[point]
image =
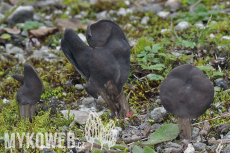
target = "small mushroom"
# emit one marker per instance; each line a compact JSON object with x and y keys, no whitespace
{"x":104,"y":64}
{"x":30,"y":91}
{"x":187,"y":93}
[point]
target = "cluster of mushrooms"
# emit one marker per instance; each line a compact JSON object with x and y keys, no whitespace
{"x":105,"y":65}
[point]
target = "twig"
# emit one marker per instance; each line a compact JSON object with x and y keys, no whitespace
{"x":219,"y":148}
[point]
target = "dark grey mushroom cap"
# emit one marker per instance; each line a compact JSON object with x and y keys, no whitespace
{"x":107,"y":58}
{"x":186,"y":92}
{"x":32,"y":88}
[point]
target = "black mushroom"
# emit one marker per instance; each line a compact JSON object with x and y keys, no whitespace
{"x":187,"y":93}
{"x":104,"y":64}
{"x":30,"y":91}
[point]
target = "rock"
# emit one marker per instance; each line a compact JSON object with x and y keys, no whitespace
{"x":58,"y":12}
{"x":158,"y":113}
{"x":155,"y":8}
{"x":24,"y":33}
{"x":189,"y":149}
{"x":20,"y":57}
{"x":83,"y":13}
{"x":39,"y":54}
{"x":36,"y":17}
{"x":163,"y":14}
{"x":4,"y":7}
{"x":82,"y":36}
{"x":132,"y":43}
{"x":199,"y":146}
{"x":172,"y":145}
{"x":101,"y":15}
{"x":227,"y":136}
{"x":155,"y":126}
{"x":173,"y":5}
{"x":127,"y":3}
{"x":212,"y":35}
{"x":10,"y":49}
{"x":195,"y":132}
{"x":215,"y":7}
{"x":79,"y":87}
{"x":145,"y":20}
{"x":182,"y":25}
{"x":165,"y":30}
{"x":199,"y":25}
{"x":227,"y":149}
{"x":21,"y":15}
{"x":5,"y":101}
{"x":222,"y":83}
{"x":226,"y":37}
{"x":122,"y":11}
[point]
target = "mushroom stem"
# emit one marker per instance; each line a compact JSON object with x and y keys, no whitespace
{"x":185,"y":128}
{"x":123,"y":103}
{"x":109,"y":103}
{"x":27,"y":111}
{"x":116,"y":101}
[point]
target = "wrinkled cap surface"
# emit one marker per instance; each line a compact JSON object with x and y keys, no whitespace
{"x":186,"y":92}
{"x":32,"y":87}
{"x":107,"y":58}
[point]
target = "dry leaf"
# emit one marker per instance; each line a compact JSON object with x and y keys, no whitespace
{"x":41,"y":34}
{"x":74,"y":24}
{"x":15,"y":30}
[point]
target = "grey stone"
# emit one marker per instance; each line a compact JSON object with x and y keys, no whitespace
{"x":173,"y":5}
{"x":145,"y":20}
{"x":101,"y":15}
{"x":163,"y":14}
{"x":226,"y":37}
{"x":172,"y":145}
{"x":199,"y":146}
{"x":222,"y":83}
{"x":83,"y":13}
{"x":10,"y":49}
{"x":51,"y":56}
{"x":165,"y":30}
{"x":122,"y":11}
{"x":155,"y":8}
{"x":88,"y":100}
{"x":58,"y":12}
{"x":158,"y":113}
{"x":5,"y":101}
{"x":24,"y":33}
{"x":36,"y":17}
{"x":212,"y":35}
{"x":20,"y":57}
{"x":199,"y":25}
{"x":79,"y":87}
{"x":215,"y":7}
{"x":182,"y":25}
{"x":195,"y":132}
{"x":4,"y":7}
{"x":39,"y":54}
{"x":20,"y":15}
{"x":227,"y":136}
{"x":227,"y":149}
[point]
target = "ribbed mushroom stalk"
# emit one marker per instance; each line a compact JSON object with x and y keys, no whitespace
{"x":104,"y":64}
{"x":30,"y":91}
{"x":187,"y":93}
